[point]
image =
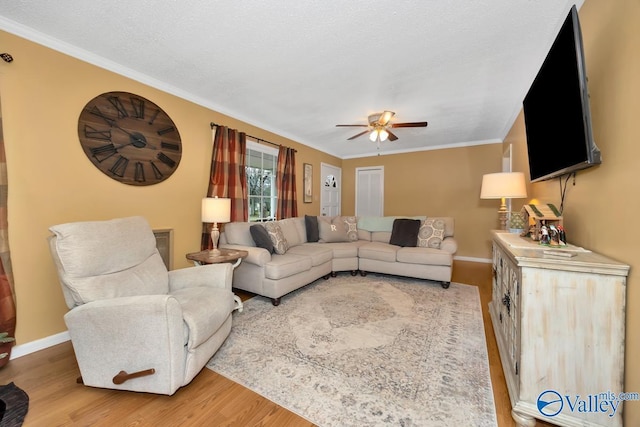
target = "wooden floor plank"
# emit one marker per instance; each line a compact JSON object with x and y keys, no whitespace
{"x":49,"y":378}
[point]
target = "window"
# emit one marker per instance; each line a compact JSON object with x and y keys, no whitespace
{"x":261,"y":181}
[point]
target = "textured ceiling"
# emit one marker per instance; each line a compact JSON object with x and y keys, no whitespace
{"x":298,"y":68}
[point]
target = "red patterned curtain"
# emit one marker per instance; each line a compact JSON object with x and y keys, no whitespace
{"x":286,"y":183}
{"x":227,"y":177}
{"x":7,"y":301}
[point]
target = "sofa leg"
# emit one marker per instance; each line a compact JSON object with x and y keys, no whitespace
{"x":363,"y":273}
{"x":446,"y":285}
{"x":334,"y":274}
{"x":326,"y":276}
{"x":354,"y":272}
{"x":275,"y":301}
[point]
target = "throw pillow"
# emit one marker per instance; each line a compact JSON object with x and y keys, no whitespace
{"x":280,"y":245}
{"x":261,"y":237}
{"x":311,"y":224}
{"x":351,"y":224}
{"x":431,"y":233}
{"x":331,"y":233}
{"x":405,"y":232}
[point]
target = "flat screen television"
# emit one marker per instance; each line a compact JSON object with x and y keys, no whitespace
{"x":556,"y":109}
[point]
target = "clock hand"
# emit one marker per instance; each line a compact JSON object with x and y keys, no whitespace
{"x":137,"y":140}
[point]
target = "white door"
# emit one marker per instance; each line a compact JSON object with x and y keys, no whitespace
{"x":331,"y":189}
{"x":370,"y":191}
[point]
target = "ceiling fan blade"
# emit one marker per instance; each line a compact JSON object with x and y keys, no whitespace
{"x":342,"y":126}
{"x":355,"y":136}
{"x":409,"y":125}
{"x":385,"y":117}
{"x":392,"y":137}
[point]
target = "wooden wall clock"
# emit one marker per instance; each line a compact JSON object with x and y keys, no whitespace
{"x":129,"y":138}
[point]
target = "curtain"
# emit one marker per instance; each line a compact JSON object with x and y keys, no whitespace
{"x":227,"y":177}
{"x":286,"y":183}
{"x":7,"y":292}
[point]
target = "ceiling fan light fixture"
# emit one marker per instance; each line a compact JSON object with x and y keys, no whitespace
{"x":373,"y":136}
{"x":383,"y":134}
{"x":385,"y":117}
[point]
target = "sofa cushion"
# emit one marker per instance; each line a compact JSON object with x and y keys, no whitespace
{"x":318,"y":253}
{"x":237,"y":233}
{"x":378,"y":251}
{"x":261,"y":237}
{"x":426,"y":256}
{"x":431,"y":233}
{"x":311,"y":227}
{"x":381,"y":236}
{"x":332,"y":232}
{"x":343,"y":249}
{"x":280,"y":244}
{"x":286,"y":265}
{"x":405,"y":232}
{"x":293,"y":231}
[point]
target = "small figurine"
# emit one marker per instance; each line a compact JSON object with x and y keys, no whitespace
{"x":554,"y":236}
{"x":544,"y":235}
{"x":562,"y":237}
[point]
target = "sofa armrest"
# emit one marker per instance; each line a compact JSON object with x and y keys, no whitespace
{"x":257,"y":256}
{"x":449,"y":244}
{"x":213,"y":275}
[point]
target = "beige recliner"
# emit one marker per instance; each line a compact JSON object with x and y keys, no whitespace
{"x":133,"y":324}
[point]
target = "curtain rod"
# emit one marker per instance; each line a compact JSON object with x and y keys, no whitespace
{"x":256,"y":138}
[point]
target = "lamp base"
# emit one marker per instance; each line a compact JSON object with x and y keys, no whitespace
{"x":215,"y":235}
{"x":503,"y":214}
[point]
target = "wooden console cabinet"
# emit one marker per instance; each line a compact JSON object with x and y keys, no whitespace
{"x":560,"y":328}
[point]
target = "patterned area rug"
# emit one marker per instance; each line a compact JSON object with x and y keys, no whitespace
{"x":366,"y":351}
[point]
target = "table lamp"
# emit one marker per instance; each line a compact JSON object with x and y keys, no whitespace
{"x":215,"y":210}
{"x":503,"y":185}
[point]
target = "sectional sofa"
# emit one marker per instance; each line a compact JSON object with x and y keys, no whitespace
{"x":288,"y":254}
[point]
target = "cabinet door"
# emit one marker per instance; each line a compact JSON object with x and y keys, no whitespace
{"x":507,"y":296}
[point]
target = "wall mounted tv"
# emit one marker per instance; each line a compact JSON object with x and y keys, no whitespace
{"x":556,"y":109}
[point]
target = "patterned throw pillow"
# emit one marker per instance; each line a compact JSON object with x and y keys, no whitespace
{"x":351,"y":224}
{"x":431,"y":233}
{"x":280,"y":244}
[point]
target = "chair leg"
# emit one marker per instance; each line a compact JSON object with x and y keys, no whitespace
{"x":122,"y":376}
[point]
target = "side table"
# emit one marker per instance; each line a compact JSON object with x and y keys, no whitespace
{"x":226,"y":255}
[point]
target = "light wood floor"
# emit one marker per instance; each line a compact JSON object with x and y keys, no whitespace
{"x":49,"y":378}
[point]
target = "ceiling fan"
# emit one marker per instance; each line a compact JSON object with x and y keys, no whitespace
{"x":378,"y":127}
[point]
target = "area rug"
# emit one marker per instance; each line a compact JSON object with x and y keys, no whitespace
{"x":366,"y":351}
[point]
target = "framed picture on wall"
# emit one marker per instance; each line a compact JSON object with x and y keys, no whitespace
{"x":307,"y":181}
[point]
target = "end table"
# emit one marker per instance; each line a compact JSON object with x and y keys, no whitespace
{"x":226,"y":255}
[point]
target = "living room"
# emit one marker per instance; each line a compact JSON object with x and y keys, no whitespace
{"x":50,"y":180}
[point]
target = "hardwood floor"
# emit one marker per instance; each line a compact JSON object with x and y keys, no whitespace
{"x":49,"y":378}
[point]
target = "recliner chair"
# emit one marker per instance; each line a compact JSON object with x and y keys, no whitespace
{"x":133,"y":324}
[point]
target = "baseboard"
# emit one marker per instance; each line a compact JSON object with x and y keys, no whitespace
{"x":37,"y":345}
{"x":472,"y":259}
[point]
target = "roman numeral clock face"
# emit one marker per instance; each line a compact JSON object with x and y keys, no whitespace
{"x":129,"y":138}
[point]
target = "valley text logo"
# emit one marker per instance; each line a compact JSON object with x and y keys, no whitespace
{"x":551,"y":403}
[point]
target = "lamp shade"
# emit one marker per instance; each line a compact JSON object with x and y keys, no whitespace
{"x":216,"y":209}
{"x":509,"y":185}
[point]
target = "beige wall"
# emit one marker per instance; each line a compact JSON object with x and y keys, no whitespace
{"x":600,"y":209}
{"x":437,"y":183}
